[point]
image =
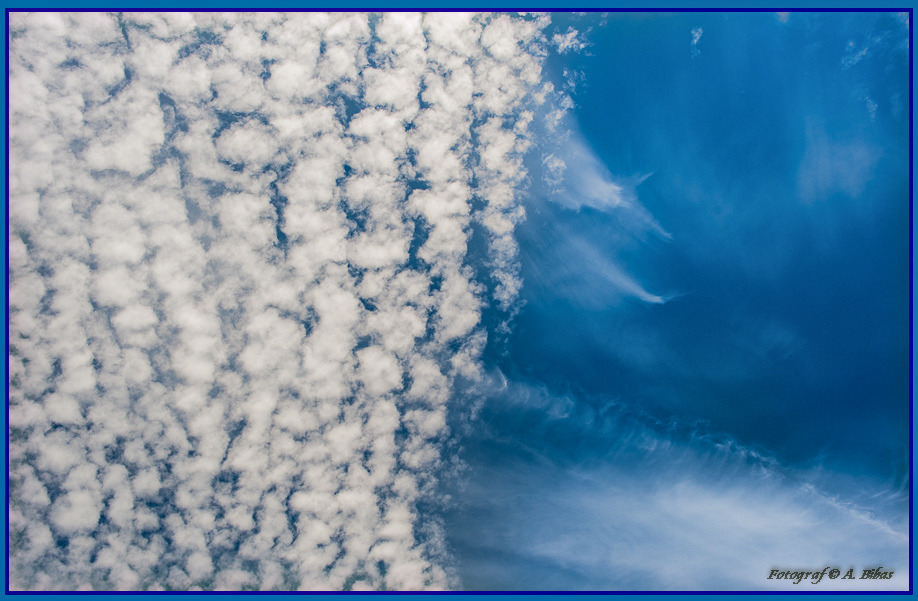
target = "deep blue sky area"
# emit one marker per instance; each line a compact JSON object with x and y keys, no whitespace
{"x":778,"y":154}
{"x":769,"y":168}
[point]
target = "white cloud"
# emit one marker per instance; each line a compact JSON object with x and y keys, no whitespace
{"x":568,"y":42}
{"x":655,"y":510}
{"x":833,"y":166}
{"x":247,"y":143}
{"x":124,"y":132}
{"x":854,"y":55}
{"x":239,"y":290}
{"x":697,"y":32}
{"x":574,"y":177}
{"x":696,"y":535}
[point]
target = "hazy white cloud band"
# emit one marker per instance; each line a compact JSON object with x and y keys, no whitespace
{"x":239,"y":288}
{"x":665,"y":507}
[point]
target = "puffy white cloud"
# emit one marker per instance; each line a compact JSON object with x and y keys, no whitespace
{"x":247,"y":143}
{"x":569,"y":41}
{"x":124,"y":132}
{"x":240,"y":292}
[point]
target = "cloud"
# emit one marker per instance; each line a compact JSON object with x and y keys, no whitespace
{"x":569,"y":41}
{"x":586,"y":181}
{"x":239,"y":288}
{"x":575,"y":176}
{"x":879,"y":42}
{"x":697,"y":32}
{"x":571,"y":260}
{"x":584,"y":270}
{"x":682,"y":534}
{"x":854,"y":55}
{"x":635,"y":505}
{"x":832,"y":166}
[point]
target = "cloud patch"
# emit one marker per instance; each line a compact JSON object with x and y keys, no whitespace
{"x":240,"y":292}
{"x":636,"y":505}
{"x":697,"y":32}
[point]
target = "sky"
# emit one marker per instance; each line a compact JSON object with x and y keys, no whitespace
{"x":608,"y":302}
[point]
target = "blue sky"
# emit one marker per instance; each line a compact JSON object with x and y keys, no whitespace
{"x":778,"y":155}
{"x":489,"y":302}
{"x":768,"y":163}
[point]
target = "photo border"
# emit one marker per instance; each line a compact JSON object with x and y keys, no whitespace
{"x":505,"y":5}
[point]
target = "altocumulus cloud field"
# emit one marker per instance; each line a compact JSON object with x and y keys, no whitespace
{"x":457,"y":301}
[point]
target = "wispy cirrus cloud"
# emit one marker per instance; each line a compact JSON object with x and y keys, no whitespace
{"x":573,"y":264}
{"x":600,"y":498}
{"x":697,"y":32}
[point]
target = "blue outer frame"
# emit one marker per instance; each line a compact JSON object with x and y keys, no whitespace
{"x":507,"y":5}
